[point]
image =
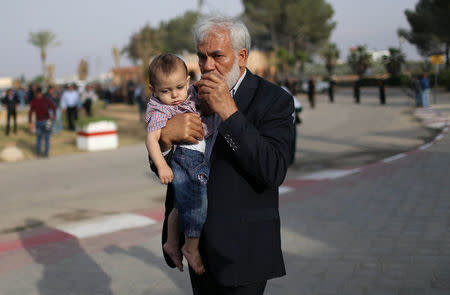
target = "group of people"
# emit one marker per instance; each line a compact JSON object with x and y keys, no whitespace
{"x":420,"y":84}
{"x":223,"y":146}
{"x":45,"y":110}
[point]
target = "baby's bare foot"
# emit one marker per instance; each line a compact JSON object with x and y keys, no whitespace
{"x":174,"y":254}
{"x":194,"y":259}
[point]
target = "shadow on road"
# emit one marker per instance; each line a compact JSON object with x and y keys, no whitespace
{"x":79,"y":276}
{"x":152,"y":260}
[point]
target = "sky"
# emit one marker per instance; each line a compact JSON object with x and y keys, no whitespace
{"x":89,"y":29}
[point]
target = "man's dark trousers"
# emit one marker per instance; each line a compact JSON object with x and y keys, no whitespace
{"x":12,"y":114}
{"x":205,"y":285}
{"x":72,"y":116}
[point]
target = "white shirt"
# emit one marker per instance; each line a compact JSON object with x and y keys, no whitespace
{"x":88,"y":94}
{"x":70,"y":99}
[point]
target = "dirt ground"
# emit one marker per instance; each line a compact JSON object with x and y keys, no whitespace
{"x":130,"y":129}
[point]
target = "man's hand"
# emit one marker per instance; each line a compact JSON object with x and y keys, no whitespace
{"x":213,"y":88}
{"x":181,"y":128}
{"x":30,"y":126}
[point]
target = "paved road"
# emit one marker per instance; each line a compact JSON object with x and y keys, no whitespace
{"x":68,"y":188}
{"x":383,"y":230}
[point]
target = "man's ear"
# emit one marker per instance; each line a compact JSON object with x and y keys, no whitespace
{"x":243,"y":57}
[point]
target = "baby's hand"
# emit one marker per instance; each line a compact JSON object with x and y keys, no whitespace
{"x":165,"y":175}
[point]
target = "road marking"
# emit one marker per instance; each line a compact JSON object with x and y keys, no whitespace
{"x":104,"y":225}
{"x":284,"y":189}
{"x":439,"y":137}
{"x":329,"y":174}
{"x":425,"y":146}
{"x":393,"y":158}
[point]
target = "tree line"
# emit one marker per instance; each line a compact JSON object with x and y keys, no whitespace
{"x":293,"y":32}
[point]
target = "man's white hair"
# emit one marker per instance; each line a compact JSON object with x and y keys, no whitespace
{"x":239,"y":35}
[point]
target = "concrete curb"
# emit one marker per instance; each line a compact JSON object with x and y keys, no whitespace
{"x":114,"y":223}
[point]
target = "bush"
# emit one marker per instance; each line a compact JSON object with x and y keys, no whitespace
{"x":444,"y":78}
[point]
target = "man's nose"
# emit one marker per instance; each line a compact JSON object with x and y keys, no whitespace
{"x":209,"y":65}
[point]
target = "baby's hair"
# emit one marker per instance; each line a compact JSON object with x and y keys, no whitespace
{"x":166,"y":64}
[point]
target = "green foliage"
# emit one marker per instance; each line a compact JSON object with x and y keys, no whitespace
{"x":83,"y":122}
{"x":38,"y":80}
{"x":417,"y":67}
{"x":144,"y":44}
{"x":359,"y":60}
{"x":43,"y":40}
{"x":330,"y":54}
{"x":394,"y":61}
{"x":430,"y":27}
{"x":177,"y":33}
{"x":293,"y":24}
{"x":172,"y":36}
{"x":444,"y":78}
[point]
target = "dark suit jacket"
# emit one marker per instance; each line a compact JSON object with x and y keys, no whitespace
{"x":240,"y":242}
{"x":10,"y":105}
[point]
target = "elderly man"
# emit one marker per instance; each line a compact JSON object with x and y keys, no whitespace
{"x":249,"y":155}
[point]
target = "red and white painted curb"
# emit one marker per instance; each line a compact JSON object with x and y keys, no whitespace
{"x":114,"y":223}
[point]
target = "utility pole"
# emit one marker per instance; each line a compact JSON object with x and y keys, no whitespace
{"x":436,"y":60}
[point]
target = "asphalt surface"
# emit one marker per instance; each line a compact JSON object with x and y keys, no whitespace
{"x":383,"y":230}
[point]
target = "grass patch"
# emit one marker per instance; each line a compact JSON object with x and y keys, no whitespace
{"x":83,"y":122}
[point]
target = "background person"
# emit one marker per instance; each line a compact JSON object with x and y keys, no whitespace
{"x":70,"y":103}
{"x":10,"y":101}
{"x":312,"y":93}
{"x":43,"y":108}
{"x":382,"y":91}
{"x":53,"y":95}
{"x":425,"y":87}
{"x":87,"y":98}
{"x":357,"y":91}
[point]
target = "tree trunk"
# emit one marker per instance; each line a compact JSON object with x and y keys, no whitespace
{"x":44,"y":69}
{"x":273,"y":34}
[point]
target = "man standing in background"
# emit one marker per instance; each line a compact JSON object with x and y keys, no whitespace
{"x":10,"y":101}
{"x":45,"y":111}
{"x":70,"y":102}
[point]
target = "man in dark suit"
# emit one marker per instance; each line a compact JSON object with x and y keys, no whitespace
{"x":249,"y":155}
{"x":11,"y":100}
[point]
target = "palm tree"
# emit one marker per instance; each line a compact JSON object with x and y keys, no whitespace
{"x":394,"y":61}
{"x":359,"y":60}
{"x":43,"y":40}
{"x":330,"y":54}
